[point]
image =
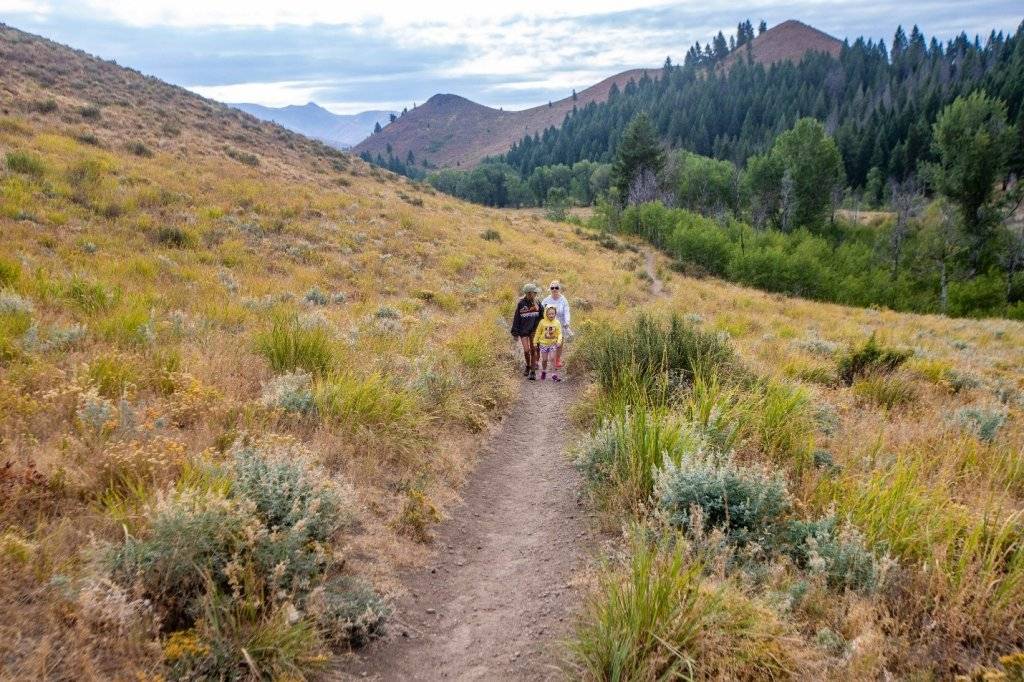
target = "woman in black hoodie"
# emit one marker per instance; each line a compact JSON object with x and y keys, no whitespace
{"x":524,"y":324}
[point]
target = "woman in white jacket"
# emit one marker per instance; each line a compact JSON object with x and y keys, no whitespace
{"x":561,"y":304}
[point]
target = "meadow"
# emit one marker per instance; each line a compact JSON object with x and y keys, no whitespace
{"x":805,"y":490}
{"x":242,"y":376}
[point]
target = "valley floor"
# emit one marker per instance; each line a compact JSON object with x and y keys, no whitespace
{"x":499,"y":596}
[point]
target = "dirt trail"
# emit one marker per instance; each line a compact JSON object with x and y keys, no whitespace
{"x":499,"y":596}
{"x":650,"y":265}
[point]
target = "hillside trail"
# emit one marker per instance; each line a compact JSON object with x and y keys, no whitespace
{"x":650,"y":266}
{"x":500,"y":594}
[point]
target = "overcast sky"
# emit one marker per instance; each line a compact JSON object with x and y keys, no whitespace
{"x":355,"y":55}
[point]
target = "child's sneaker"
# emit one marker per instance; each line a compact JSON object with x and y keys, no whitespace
{"x":543,"y":376}
{"x":555,"y":377}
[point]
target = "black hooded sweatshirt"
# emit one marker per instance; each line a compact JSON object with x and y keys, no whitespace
{"x":527,"y":317}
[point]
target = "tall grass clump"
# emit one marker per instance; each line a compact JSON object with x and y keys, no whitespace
{"x":289,"y":346}
{"x":358,"y":401}
{"x":621,"y":459}
{"x":870,"y":358}
{"x":25,"y":163}
{"x":10,"y":272}
{"x":654,"y":617}
{"x":970,"y":577}
{"x":653,"y":358}
{"x":782,"y":418}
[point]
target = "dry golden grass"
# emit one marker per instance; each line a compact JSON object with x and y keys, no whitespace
{"x":138,"y":281}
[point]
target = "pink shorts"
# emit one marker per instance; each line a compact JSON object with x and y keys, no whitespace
{"x":549,"y":349}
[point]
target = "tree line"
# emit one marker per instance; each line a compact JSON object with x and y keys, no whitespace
{"x":879,"y":105}
{"x":950,"y":244}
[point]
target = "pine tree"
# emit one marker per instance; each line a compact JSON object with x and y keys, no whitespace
{"x":762,"y":27}
{"x":376,"y":127}
{"x":638,"y":153}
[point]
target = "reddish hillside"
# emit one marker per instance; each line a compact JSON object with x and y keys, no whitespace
{"x":452,"y":131}
{"x":790,"y":40}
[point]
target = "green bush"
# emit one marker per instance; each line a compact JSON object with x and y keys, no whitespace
{"x":491,"y":235}
{"x":746,"y":503}
{"x":870,"y":358}
{"x":290,"y":346}
{"x":25,"y":163}
{"x":10,"y":272}
{"x":662,"y":356}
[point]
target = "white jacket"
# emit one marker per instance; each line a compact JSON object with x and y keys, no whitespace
{"x":561,"y":308}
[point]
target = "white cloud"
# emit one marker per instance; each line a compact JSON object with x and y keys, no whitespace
{"x":306,"y":12}
{"x":268,"y":94}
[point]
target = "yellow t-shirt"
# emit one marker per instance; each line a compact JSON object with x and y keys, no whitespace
{"x":549,"y":333}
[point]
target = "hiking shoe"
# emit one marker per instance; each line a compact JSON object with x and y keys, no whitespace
{"x":526,"y":371}
{"x":532,"y":376}
{"x":555,"y":377}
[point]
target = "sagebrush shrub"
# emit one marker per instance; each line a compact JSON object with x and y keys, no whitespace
{"x":982,"y":422}
{"x":255,"y":528}
{"x":291,"y":392}
{"x":839,"y":554}
{"x":348,"y":611}
{"x":746,"y":503}
{"x":316,"y":297}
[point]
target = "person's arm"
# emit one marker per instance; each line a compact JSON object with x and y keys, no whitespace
{"x":517,"y":320}
{"x":566,"y":310}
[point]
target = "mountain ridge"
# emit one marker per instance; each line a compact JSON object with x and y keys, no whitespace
{"x":449,"y":130}
{"x":313,"y":120}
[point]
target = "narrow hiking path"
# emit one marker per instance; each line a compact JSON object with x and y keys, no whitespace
{"x":500,"y":594}
{"x":651,"y":267}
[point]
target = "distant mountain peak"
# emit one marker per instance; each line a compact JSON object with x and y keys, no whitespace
{"x":313,"y":120}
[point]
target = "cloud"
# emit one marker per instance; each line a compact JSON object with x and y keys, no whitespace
{"x":386,"y":56}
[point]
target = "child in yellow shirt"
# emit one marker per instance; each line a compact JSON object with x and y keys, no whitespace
{"x":548,"y":338}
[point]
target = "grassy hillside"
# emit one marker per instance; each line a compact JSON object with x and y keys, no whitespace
{"x":800,"y":501}
{"x":241,"y":375}
{"x":197,"y":308}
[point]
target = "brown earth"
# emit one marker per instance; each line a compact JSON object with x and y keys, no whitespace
{"x":788,"y":41}
{"x":498,"y":598}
